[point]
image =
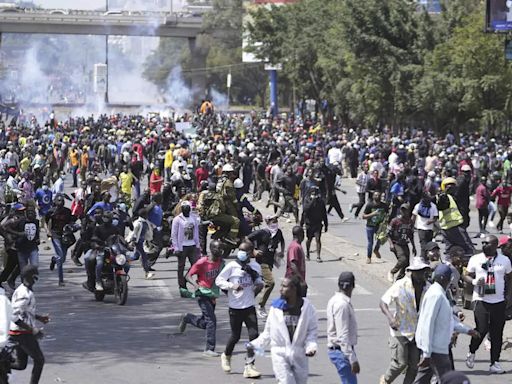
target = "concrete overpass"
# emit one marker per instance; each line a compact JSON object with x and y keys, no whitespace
{"x":160,"y":24}
{"x":124,"y":23}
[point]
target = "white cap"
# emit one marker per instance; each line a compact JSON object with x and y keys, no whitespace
{"x":228,"y":168}
{"x":238,"y":184}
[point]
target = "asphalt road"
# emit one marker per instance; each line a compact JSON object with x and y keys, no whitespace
{"x":89,"y":342}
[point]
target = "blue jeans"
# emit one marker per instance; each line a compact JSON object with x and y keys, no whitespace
{"x":139,"y":249}
{"x":207,"y":320}
{"x":343,"y":366}
{"x":26,"y":257}
{"x":370,"y":236}
{"x":93,"y":255}
{"x":60,"y":256}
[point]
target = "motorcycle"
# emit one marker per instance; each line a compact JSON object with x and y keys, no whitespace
{"x":114,"y":275}
{"x":219,"y":233}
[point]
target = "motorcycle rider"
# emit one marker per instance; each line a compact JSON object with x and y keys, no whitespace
{"x":94,"y":258}
{"x":226,"y":215}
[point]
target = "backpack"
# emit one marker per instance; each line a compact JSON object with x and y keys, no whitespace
{"x":211,"y":206}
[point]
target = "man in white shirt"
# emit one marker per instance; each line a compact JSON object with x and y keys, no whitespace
{"x":5,"y":318}
{"x":435,"y":328}
{"x":242,"y":279}
{"x":489,"y":272}
{"x":342,"y":330}
{"x":23,"y":330}
{"x":334,"y":154}
{"x":424,"y":215}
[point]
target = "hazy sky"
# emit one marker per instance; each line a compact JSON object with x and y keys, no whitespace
{"x":75,"y":4}
{"x":100,"y":4}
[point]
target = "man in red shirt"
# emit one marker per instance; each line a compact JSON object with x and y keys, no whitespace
{"x":155,"y":181}
{"x":206,"y":270}
{"x":201,"y":174}
{"x":295,"y":259}
{"x":503,"y":193}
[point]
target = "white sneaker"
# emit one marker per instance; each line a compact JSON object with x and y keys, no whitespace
{"x":262,"y":314}
{"x":225,"y":362}
{"x":98,"y":287}
{"x":491,"y":224}
{"x":496,"y":368}
{"x":149,"y":275}
{"x":391,"y":277}
{"x":209,"y":353}
{"x":470,"y":360}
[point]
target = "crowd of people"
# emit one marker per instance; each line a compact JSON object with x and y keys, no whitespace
{"x":161,"y":192}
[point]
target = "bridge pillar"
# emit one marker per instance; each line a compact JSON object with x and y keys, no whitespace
{"x":198,"y":55}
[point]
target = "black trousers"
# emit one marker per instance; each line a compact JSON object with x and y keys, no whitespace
{"x":189,"y":252}
{"x":238,"y":317}
{"x":12,"y":269}
{"x":27,"y":345}
{"x":360,"y":203}
{"x":402,"y":254}
{"x":425,"y":237}
{"x":489,"y":318}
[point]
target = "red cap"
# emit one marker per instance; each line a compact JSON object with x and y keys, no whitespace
{"x":504,"y":240}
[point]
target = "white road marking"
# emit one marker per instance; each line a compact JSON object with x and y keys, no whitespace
{"x":162,"y":288}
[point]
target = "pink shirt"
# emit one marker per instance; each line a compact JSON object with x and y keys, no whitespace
{"x":295,"y":254}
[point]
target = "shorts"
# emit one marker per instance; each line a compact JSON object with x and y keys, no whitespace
{"x":313,"y":231}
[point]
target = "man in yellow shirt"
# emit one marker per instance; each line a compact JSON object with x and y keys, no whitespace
{"x":74,"y":162}
{"x":25,"y":162}
{"x":126,"y":178}
{"x":169,"y":159}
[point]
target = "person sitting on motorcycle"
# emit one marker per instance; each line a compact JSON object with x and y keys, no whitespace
{"x":94,"y":258}
{"x":243,"y":202}
{"x":227,"y":215}
{"x":83,"y":244}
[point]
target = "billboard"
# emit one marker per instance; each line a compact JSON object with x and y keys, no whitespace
{"x":100,"y":78}
{"x":498,"y":16}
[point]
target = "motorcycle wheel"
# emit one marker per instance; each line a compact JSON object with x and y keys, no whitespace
{"x":99,"y":296}
{"x":122,"y":290}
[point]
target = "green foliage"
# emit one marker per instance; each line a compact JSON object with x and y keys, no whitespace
{"x":388,"y":62}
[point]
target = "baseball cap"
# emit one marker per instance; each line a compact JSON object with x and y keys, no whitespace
{"x":346,"y":279}
{"x":443,"y":270}
{"x":18,"y":207}
{"x":431,"y":245}
{"x":465,"y":168}
{"x":431,"y":174}
{"x":504,"y":240}
{"x":417,"y":264}
{"x":405,"y":206}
